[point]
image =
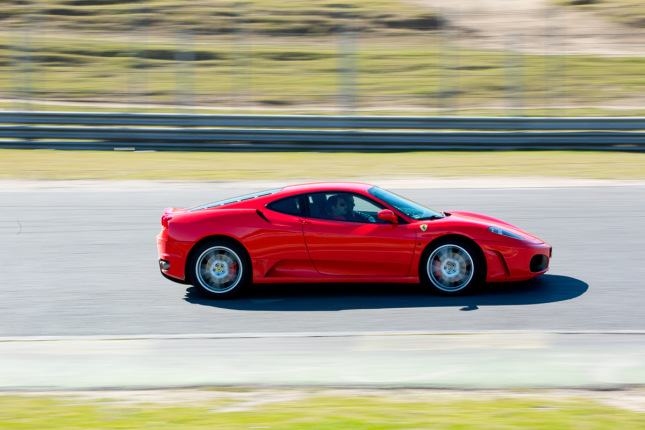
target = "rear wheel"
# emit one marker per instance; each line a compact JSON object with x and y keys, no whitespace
{"x":451,"y":267}
{"x":220,"y":269}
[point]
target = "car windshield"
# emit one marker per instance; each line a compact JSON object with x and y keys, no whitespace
{"x":235,"y":200}
{"x":409,"y":208}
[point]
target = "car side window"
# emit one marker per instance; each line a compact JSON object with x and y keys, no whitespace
{"x":291,"y":206}
{"x":341,"y":206}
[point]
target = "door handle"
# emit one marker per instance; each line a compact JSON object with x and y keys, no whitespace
{"x":306,"y":223}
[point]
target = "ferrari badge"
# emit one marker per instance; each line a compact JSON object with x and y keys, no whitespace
{"x":424,"y":227}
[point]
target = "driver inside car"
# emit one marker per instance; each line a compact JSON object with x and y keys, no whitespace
{"x":353,"y":215}
{"x":336,"y":207}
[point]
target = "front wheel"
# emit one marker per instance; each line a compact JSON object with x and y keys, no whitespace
{"x":451,"y":267}
{"x":220,"y":269}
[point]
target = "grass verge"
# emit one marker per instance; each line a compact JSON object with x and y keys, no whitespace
{"x":65,"y":165}
{"x":319,"y":412}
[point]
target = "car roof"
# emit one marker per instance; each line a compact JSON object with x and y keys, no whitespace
{"x":327,"y":186}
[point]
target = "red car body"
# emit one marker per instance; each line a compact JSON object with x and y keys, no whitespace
{"x":286,"y":249}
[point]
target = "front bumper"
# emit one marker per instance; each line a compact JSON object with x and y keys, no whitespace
{"x":508,"y":262}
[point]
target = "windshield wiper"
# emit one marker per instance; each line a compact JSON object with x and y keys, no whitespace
{"x":430,"y":218}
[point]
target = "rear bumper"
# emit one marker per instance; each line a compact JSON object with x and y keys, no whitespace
{"x":508,"y":262}
{"x":174,"y":253}
{"x":170,"y":278}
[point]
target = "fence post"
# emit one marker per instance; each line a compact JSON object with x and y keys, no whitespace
{"x":549,"y":14}
{"x":441,"y":53}
{"x":555,"y":80}
{"x":26,"y":62}
{"x":14,"y":67}
{"x":21,"y":44}
{"x":40,"y":90}
{"x":131,"y":85}
{"x":347,"y":61}
{"x":449,"y":52}
{"x":143,"y":53}
{"x":557,"y":66}
{"x":514,"y":74}
{"x":457,"y":62}
{"x":184,"y":70}
{"x":137,"y":81}
{"x":241,"y":73}
{"x":564,"y":63}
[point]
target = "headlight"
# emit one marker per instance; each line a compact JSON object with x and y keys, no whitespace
{"x":498,"y":230}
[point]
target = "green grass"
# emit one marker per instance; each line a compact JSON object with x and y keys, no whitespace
{"x":321,"y":412}
{"x":628,"y":12}
{"x":61,"y":165}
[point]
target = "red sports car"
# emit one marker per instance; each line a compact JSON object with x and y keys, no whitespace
{"x":340,"y":232}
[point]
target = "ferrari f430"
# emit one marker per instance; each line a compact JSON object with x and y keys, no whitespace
{"x":341,"y":232}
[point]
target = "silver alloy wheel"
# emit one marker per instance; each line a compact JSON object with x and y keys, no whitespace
{"x":450,"y":268}
{"x":219,"y":269}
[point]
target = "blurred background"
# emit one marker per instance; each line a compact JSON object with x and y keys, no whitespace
{"x":412,"y":57}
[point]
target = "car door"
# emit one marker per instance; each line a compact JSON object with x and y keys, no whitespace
{"x":362,"y":246}
{"x":279,"y":248}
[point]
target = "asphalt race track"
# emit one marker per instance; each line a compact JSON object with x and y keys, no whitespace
{"x":84,"y":263}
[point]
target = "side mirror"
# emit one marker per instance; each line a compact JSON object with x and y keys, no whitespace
{"x":388,"y":215}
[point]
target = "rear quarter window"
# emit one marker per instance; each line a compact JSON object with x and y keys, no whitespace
{"x":290,"y":206}
{"x":235,"y":200}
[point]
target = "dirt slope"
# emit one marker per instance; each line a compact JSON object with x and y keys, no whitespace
{"x":499,"y":23}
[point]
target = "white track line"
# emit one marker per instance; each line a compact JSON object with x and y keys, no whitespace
{"x":501,"y":183}
{"x":310,"y":334}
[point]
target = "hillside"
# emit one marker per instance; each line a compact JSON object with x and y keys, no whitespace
{"x":628,"y":12}
{"x":298,"y":17}
{"x":496,"y":57}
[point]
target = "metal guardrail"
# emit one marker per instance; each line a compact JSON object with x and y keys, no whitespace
{"x":318,"y":121}
{"x":193,"y":132}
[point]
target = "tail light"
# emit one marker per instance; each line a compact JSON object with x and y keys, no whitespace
{"x":165,"y":219}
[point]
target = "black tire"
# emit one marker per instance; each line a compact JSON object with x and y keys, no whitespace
{"x":460,"y":272}
{"x":220,"y":269}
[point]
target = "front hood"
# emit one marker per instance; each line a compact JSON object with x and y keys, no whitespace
{"x":487,"y":221}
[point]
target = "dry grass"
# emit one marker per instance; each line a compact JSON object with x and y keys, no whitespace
{"x":104,"y":51}
{"x":628,"y":12}
{"x":296,"y":17}
{"x":288,"y":74}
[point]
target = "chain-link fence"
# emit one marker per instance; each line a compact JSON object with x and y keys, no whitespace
{"x":550,"y":61}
